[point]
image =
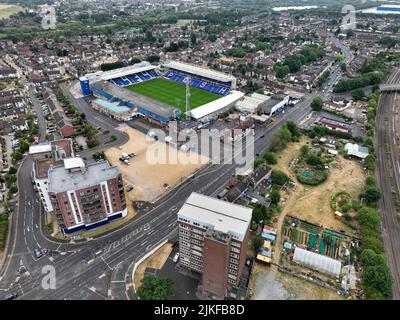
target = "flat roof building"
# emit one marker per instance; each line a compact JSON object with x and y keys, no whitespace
{"x":85,"y":196}
{"x":213,"y":240}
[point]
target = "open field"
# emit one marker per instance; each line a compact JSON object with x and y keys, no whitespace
{"x":269,"y":284}
{"x":7,"y":10}
{"x":146,"y":175}
{"x":155,"y":261}
{"x":173,"y":93}
{"x":312,"y":203}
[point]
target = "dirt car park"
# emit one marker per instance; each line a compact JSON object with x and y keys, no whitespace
{"x":148,"y":178}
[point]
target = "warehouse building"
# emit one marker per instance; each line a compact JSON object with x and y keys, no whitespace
{"x":274,"y":105}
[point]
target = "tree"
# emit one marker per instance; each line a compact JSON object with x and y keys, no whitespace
{"x":317,"y":104}
{"x":275,"y":196}
{"x":370,"y":162}
{"x":153,"y":288}
{"x":313,"y":160}
{"x":379,"y":277}
{"x":370,"y":181}
{"x":373,"y":243}
{"x":270,"y":157}
{"x":257,"y":243}
{"x":369,"y":217}
{"x":304,"y":150}
{"x":372,"y":195}
{"x":193,"y":39}
{"x":279,"y":177}
{"x":343,"y":66}
{"x":294,"y":130}
{"x":371,"y":258}
{"x":358,"y":94}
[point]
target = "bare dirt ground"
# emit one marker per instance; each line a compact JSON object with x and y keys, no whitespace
{"x":155,"y":261}
{"x":269,"y":284}
{"x":145,"y":175}
{"x":312,"y":203}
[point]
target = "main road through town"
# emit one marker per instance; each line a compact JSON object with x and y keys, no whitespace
{"x":98,"y":268}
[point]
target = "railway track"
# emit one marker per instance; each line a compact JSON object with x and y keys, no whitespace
{"x":388,"y":177}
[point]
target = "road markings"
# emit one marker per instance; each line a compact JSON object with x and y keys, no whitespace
{"x":106,"y":263}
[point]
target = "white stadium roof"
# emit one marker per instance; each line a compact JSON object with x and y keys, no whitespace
{"x":120,"y":72}
{"x":216,"y":105}
{"x":203,"y":72}
{"x":317,"y":262}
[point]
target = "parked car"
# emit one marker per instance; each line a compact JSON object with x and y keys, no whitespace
{"x":176,"y":257}
{"x":38,"y":253}
{"x":10,"y":296}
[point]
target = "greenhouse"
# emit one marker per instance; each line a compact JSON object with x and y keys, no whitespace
{"x":317,"y":262}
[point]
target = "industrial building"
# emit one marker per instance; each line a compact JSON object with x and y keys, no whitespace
{"x":274,"y":105}
{"x":334,"y":124}
{"x":213,"y":241}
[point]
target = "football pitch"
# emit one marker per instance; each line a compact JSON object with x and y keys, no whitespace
{"x":173,"y":93}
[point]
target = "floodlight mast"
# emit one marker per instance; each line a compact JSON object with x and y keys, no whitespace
{"x":187,"y":82}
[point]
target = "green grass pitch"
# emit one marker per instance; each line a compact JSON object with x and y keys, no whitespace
{"x":173,"y":93}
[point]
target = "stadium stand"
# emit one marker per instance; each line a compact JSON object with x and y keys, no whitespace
{"x":134,"y":78}
{"x":198,"y":82}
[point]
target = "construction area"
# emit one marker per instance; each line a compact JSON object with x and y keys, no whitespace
{"x":153,"y":166}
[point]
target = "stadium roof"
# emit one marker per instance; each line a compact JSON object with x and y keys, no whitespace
{"x":112,"y":106}
{"x":221,"y":215}
{"x":116,"y":73}
{"x":203,"y":72}
{"x":136,"y":99}
{"x":216,"y":105}
{"x":317,"y":262}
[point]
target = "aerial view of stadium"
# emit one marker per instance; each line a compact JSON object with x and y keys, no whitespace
{"x":173,"y":93}
{"x":158,"y":93}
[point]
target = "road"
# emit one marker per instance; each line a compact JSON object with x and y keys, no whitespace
{"x":97,"y":268}
{"x":388,"y":176}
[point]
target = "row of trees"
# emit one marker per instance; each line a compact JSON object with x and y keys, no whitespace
{"x":367,"y":79}
{"x":377,"y":279}
{"x":293,"y":63}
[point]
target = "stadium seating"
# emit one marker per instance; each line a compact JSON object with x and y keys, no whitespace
{"x":134,"y":78}
{"x":198,"y":82}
